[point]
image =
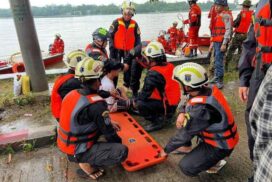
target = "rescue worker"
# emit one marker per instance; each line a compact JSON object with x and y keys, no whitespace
{"x":181,"y":36}
{"x":212,"y":15}
{"x":160,"y":94}
{"x":221,"y":35}
{"x":58,"y":45}
{"x":66,"y":83}
{"x":97,"y":49}
{"x":194,"y":21}
{"x":207,"y":115}
{"x":125,"y":39}
{"x":173,"y":32}
{"x":255,"y":59}
{"x":163,"y":41}
{"x":84,"y":117}
{"x":241,"y":25}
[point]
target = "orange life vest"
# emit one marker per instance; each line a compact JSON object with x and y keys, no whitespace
{"x":222,"y":134}
{"x":246,"y":17}
{"x":124,"y":38}
{"x":195,"y":20}
{"x":72,"y":137}
{"x":219,"y":29}
{"x":171,"y":90}
{"x":55,"y":96}
{"x":90,"y":49}
{"x":263,"y":32}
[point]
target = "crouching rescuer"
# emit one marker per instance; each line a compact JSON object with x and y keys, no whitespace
{"x":206,"y":115}
{"x":84,"y":117}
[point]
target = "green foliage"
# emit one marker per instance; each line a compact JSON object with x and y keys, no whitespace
{"x":24,"y":100}
{"x":28,"y":147}
{"x":9,"y":150}
{"x":83,"y":10}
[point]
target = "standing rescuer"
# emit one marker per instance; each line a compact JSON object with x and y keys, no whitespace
{"x":241,"y":25}
{"x":125,"y":38}
{"x":84,"y":117}
{"x":194,"y":22}
{"x":97,"y":49}
{"x":173,"y":32}
{"x":255,"y":59}
{"x":66,"y":83}
{"x":221,"y":35}
{"x":207,"y":115}
{"x":57,"y":46}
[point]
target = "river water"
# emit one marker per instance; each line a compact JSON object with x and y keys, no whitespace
{"x":76,"y":31}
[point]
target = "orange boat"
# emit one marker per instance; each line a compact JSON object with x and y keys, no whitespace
{"x":15,"y":63}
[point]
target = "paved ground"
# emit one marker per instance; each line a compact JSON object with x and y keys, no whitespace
{"x":50,"y":165}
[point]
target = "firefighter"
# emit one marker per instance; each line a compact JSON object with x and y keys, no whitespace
{"x":194,"y":21}
{"x":164,"y":41}
{"x":160,"y":95}
{"x":57,"y":46}
{"x":207,"y":115}
{"x":241,"y":25}
{"x":84,"y":117}
{"x":173,"y":32}
{"x":125,"y":39}
{"x":221,"y":35}
{"x":66,"y":83}
{"x":97,"y":49}
{"x":255,"y":59}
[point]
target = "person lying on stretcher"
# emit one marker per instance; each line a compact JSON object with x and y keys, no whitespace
{"x":118,"y":101}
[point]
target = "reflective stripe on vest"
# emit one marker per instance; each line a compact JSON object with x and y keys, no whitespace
{"x":90,"y":49}
{"x":263,"y":32}
{"x":171,"y":90}
{"x":124,"y":38}
{"x":72,"y":137}
{"x":245,"y":21}
{"x":55,"y":96}
{"x":223,"y":134}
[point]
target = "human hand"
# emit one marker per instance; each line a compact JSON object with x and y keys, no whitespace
{"x":115,"y":126}
{"x":243,"y":93}
{"x":223,"y":48}
{"x":180,"y":120}
{"x":114,"y":93}
{"x":126,"y":67}
{"x":163,"y":154}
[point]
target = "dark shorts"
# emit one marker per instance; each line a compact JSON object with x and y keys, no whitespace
{"x":201,"y":158}
{"x":102,"y":154}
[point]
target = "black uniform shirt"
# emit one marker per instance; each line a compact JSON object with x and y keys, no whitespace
{"x":201,"y":117}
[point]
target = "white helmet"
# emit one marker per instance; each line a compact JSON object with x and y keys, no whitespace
{"x":128,"y":7}
{"x":58,"y":35}
{"x":154,"y":49}
{"x":74,"y":57}
{"x":191,"y":74}
{"x":88,"y":69}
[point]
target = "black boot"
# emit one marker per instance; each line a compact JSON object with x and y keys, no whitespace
{"x":155,"y":125}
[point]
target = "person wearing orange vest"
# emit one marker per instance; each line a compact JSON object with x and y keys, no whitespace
{"x":173,"y":32}
{"x":65,"y":83}
{"x":207,"y":115}
{"x":255,"y":60}
{"x":57,"y":46}
{"x":163,"y":41}
{"x":194,"y":21}
{"x":84,"y":118}
{"x":125,"y":40}
{"x":181,"y":36}
{"x":221,"y":35}
{"x":97,"y":49}
{"x":241,"y":25}
{"x":160,"y":94}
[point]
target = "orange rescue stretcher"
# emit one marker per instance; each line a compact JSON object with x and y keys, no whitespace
{"x":143,"y":150}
